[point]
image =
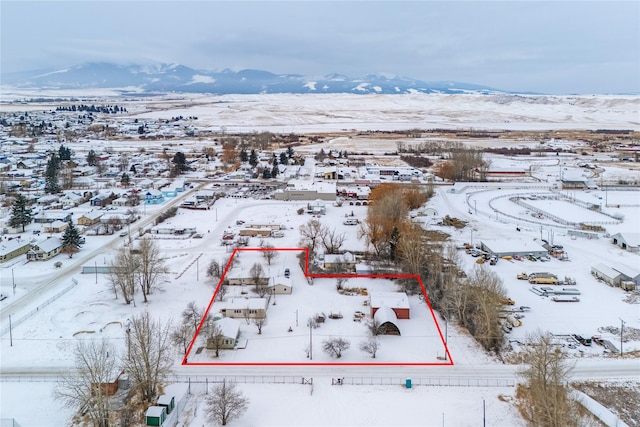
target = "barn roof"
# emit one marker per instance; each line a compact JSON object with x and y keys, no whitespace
{"x":389,"y":299}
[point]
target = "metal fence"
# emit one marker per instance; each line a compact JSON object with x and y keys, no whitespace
{"x":19,"y":320}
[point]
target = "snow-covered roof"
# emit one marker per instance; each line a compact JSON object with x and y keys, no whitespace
{"x":228,"y":327}
{"x":631,"y":239}
{"x":606,"y":270}
{"x":385,"y":314}
{"x":242,"y":303}
{"x":626,"y":270}
{"x":513,"y":245}
{"x":389,"y":299}
{"x":155,"y":411}
{"x":8,"y":246}
{"x":49,"y":245}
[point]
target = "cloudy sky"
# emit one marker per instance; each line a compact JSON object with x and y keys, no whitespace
{"x":549,"y":47}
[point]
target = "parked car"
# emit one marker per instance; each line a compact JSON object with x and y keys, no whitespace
{"x":287,"y":273}
{"x":123,"y":233}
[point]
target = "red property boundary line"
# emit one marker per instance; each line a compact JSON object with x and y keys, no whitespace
{"x":449,"y":360}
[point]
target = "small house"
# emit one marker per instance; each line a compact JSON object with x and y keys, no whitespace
{"x":45,"y":250}
{"x":56,"y":227}
{"x":245,"y":308}
{"x":10,"y":249}
{"x":229,"y":333}
{"x":280,"y":286}
{"x":155,"y":415}
{"x":153,"y":197}
{"x":346,"y":261}
{"x":90,"y":218}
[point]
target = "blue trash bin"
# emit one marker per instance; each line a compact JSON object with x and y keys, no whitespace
{"x":407,"y":383}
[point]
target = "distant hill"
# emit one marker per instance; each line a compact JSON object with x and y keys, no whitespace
{"x":179,"y":78}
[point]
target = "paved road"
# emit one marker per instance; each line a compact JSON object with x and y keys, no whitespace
{"x":592,"y":369}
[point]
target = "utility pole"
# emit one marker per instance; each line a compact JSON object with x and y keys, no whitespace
{"x":475,"y":206}
{"x":310,"y":340}
{"x":621,"y":332}
{"x":95,"y":268}
{"x":14,"y":283}
{"x":10,"y":333}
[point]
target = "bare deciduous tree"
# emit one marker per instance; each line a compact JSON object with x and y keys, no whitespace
{"x":370,"y":346}
{"x":122,"y":275}
{"x":544,"y":396}
{"x":214,"y":269}
{"x":335,"y":346}
{"x":269,"y":253}
{"x":259,"y":324}
{"x":225,"y":403}
{"x":150,"y":354}
{"x":85,"y":389}
{"x":310,"y":234}
{"x":151,"y":266}
{"x":213,"y":335}
{"x":256,"y":272}
{"x":182,"y":335}
{"x":331,"y":240}
{"x":192,"y":314}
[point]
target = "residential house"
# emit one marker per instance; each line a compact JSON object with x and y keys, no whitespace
{"x":280,"y":286}
{"x":346,"y":261}
{"x":45,"y":250}
{"x":71,"y":199}
{"x":90,"y":218}
{"x":153,"y":197}
{"x":52,"y":216}
{"x":245,"y":308}
{"x":229,"y":331}
{"x":56,"y":227}
{"x":10,"y":249}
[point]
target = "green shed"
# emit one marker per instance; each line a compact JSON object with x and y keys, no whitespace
{"x":156,"y":415}
{"x":169,"y":402}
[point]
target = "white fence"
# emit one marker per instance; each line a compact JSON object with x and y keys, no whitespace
{"x":19,"y":320}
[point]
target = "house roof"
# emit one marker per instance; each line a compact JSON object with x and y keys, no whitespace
{"x":346,"y":257}
{"x":155,"y":411}
{"x":92,"y":215}
{"x":49,"y":244}
{"x":8,"y":246}
{"x":389,"y":299}
{"x":229,"y":327}
{"x":250,"y":303}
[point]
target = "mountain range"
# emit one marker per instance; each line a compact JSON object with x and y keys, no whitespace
{"x":179,"y":78}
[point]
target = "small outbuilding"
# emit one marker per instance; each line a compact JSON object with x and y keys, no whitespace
{"x":627,"y":241}
{"x":155,"y":415}
{"x":396,"y":301}
{"x":387,"y":321}
{"x":169,"y":402}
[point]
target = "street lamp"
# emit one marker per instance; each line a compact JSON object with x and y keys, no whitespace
{"x":128,"y":330}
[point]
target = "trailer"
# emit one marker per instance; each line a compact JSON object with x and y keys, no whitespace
{"x":565,"y":298}
{"x":543,"y":280}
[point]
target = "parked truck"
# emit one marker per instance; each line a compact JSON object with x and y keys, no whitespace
{"x":543,"y":280}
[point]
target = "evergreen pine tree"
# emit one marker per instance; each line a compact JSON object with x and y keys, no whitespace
{"x":244,"y":157}
{"x":52,"y":186}
{"x":20,"y":213}
{"x":92,"y":159}
{"x":253,"y":158}
{"x":284,"y":160}
{"x":71,"y":240}
{"x":290,"y":152}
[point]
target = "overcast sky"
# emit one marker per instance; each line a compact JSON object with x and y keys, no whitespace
{"x":549,"y":47}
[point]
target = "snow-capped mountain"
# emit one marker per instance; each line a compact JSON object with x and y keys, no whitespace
{"x":179,"y":78}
